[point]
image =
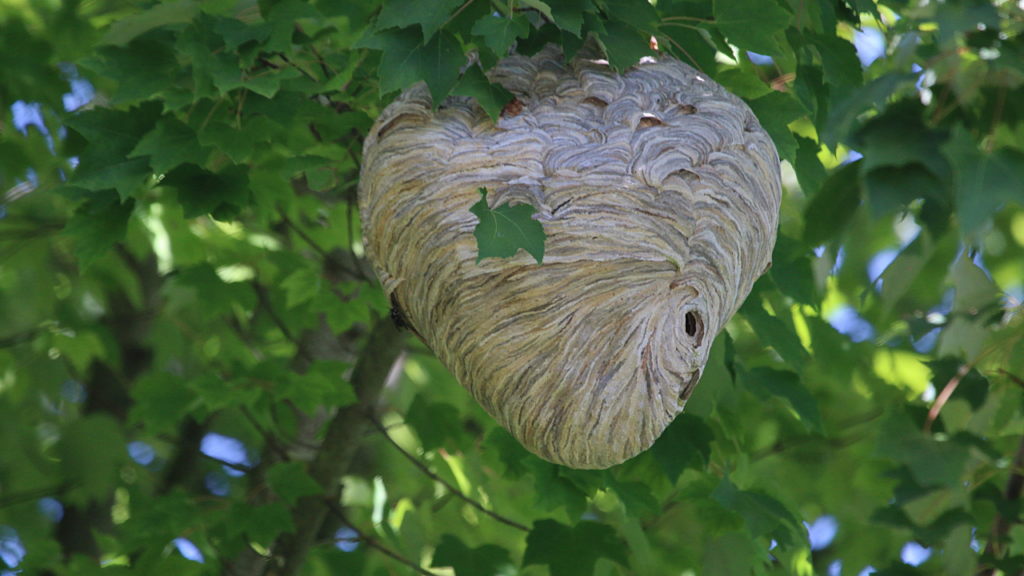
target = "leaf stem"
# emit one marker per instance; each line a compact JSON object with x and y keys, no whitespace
{"x":452,"y":17}
{"x":683,"y":50}
{"x":691,"y":18}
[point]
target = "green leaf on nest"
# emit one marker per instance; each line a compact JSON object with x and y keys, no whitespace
{"x":502,"y":231}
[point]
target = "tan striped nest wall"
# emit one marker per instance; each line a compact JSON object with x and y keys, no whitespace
{"x":659,"y":193}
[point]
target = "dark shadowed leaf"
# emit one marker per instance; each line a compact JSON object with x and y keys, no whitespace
{"x":487,"y":560}
{"x":809,"y":170}
{"x":751,"y":25}
{"x":685,"y":443}
{"x":766,"y":382}
{"x":984,"y":180}
{"x":490,"y":96}
{"x":290,"y":481}
{"x":624,"y":45}
{"x":434,"y":422}
{"x":572,"y":550}
{"x":775,"y":111}
{"x":112,"y":135}
{"x":170,"y":144}
{"x":932,"y":462}
{"x":201,"y":191}
{"x":161,"y":400}
{"x":91,"y":450}
{"x":761,"y":513}
{"x":499,"y":33}
{"x":510,"y":452}
{"x":775,"y":333}
{"x":429,"y":14}
{"x":97,"y":225}
{"x":832,"y":208}
{"x":407,"y":60}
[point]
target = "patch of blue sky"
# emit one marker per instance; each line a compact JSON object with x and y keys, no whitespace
{"x":822,"y":531}
{"x":189,"y":550}
{"x":346,"y":539}
{"x":847,"y":321}
{"x":914,"y":554}
{"x":12,"y":550}
{"x":870,"y":45}
{"x":141,"y":452}
{"x":51,"y":508}
{"x":229,"y":450}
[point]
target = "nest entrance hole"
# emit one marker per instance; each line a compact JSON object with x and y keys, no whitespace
{"x":694,"y":326}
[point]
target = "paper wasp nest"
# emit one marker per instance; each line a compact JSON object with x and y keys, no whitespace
{"x":659,"y":193}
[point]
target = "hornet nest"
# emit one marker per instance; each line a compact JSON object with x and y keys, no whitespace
{"x":659,"y":193}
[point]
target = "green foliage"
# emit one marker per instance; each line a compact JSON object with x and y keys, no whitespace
{"x":750,"y":25}
{"x":685,"y":443}
{"x":486,"y":560}
{"x":570,"y":551}
{"x":186,"y":310}
{"x":501,"y":232}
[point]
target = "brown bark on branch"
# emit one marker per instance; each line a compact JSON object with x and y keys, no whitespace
{"x":1001,"y":526}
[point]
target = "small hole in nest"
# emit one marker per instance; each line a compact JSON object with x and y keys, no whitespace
{"x":595,"y":101}
{"x":687,"y":108}
{"x":648,"y":121}
{"x":694,"y":327}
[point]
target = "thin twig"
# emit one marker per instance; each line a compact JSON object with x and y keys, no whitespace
{"x":269,"y":438}
{"x":357,"y":273}
{"x":239,"y":467}
{"x":1012,"y":377}
{"x":683,"y":50}
{"x":264,"y":301}
{"x":19,"y":338}
{"x":944,"y":396}
{"x":372,"y":543}
{"x":444,"y":483}
{"x":452,"y":17}
{"x":302,"y":234}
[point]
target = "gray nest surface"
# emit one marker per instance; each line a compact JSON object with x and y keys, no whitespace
{"x":659,"y":193}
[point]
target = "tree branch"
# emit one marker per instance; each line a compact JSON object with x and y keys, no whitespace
{"x":1000,"y":526}
{"x":19,"y":497}
{"x":444,"y":483}
{"x":372,"y":543}
{"x":344,"y":432}
{"x":19,"y":338}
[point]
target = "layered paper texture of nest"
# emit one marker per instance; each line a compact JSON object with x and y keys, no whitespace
{"x":659,"y":193}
